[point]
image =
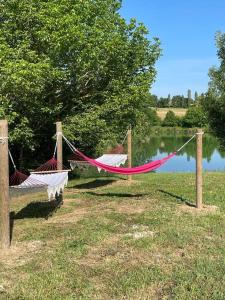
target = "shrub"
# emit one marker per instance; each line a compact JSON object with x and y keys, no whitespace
{"x":171,"y":120}
{"x":195,"y":117}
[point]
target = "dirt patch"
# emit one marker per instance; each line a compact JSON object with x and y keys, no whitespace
{"x":125,"y":182}
{"x":114,"y":250}
{"x":152,"y":292}
{"x":73,"y":217}
{"x":19,"y":253}
{"x":130,"y":209}
{"x":206,"y":209}
{"x":132,"y":206}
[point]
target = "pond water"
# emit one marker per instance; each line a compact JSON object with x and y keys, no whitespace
{"x":156,"y":147}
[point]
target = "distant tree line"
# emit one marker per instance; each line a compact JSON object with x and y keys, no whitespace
{"x":177,"y":101}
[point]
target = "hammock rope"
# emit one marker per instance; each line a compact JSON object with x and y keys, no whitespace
{"x":56,"y":144}
{"x":17,"y":177}
{"x":129,"y":127}
{"x":126,"y":171}
{"x":12,"y":160}
{"x":186,"y":143}
{"x":51,"y":164}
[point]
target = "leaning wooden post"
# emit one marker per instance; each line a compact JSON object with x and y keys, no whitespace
{"x":199,"y":168}
{"x":4,"y":186}
{"x":59,"y":145}
{"x":129,"y":151}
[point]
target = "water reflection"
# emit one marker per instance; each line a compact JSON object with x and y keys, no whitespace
{"x":155,"y":147}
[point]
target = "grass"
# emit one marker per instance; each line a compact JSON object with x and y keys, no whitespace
{"x":112,"y":240}
{"x":180,"y":112}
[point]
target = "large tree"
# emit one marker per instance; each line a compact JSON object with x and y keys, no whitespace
{"x":76,"y":61}
{"x":214,"y":102}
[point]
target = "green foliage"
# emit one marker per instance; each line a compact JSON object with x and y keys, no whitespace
{"x":148,"y":120}
{"x":195,"y":117}
{"x":177,"y":101}
{"x":171,"y":120}
{"x":74,"y":61}
{"x":163,"y":102}
{"x":153,"y":99}
{"x":153,"y":118}
{"x":214,"y":103}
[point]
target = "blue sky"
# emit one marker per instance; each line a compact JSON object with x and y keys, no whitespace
{"x":186,"y":29}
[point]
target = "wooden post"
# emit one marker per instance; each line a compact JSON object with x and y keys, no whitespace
{"x":59,"y":197}
{"x":129,"y":151}
{"x":59,"y":145}
{"x":199,"y":168}
{"x":4,"y":187}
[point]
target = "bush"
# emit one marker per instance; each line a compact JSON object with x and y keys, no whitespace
{"x":171,"y":120}
{"x":195,"y":117}
{"x":153,"y":118}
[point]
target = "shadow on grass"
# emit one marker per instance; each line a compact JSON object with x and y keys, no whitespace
{"x":179,"y":198}
{"x":93,"y":184}
{"x":12,"y":216}
{"x":38,"y":210}
{"x":119,"y":195}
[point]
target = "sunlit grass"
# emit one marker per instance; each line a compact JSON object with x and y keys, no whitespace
{"x":143,"y":240}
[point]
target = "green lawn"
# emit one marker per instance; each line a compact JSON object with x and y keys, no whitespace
{"x":112,"y":240}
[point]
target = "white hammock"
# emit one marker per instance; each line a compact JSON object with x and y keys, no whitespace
{"x":53,"y":182}
{"x":114,"y":160}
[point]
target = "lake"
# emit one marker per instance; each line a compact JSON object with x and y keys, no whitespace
{"x":156,"y":147}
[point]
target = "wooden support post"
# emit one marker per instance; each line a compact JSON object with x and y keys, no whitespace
{"x":4,"y":187}
{"x":59,"y":145}
{"x":199,"y":168}
{"x":59,"y":198}
{"x":129,"y":151}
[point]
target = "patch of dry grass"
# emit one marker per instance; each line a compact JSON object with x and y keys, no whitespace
{"x":180,"y":112}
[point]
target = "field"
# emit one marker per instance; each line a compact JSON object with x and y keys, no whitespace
{"x":180,"y":112}
{"x":113,"y":240}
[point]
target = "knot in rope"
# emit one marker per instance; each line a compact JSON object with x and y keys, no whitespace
{"x":3,"y":139}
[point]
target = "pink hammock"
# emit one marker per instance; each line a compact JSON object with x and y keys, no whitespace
{"x":128,"y":171}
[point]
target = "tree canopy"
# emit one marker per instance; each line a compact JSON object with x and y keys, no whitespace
{"x":214,"y":102}
{"x":75,"y":61}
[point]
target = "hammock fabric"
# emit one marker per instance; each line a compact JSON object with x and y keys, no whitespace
{"x":20,"y":180}
{"x":127,"y":171}
{"x":17,"y":178}
{"x":50,"y":165}
{"x":53,"y":183}
{"x":114,"y":160}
